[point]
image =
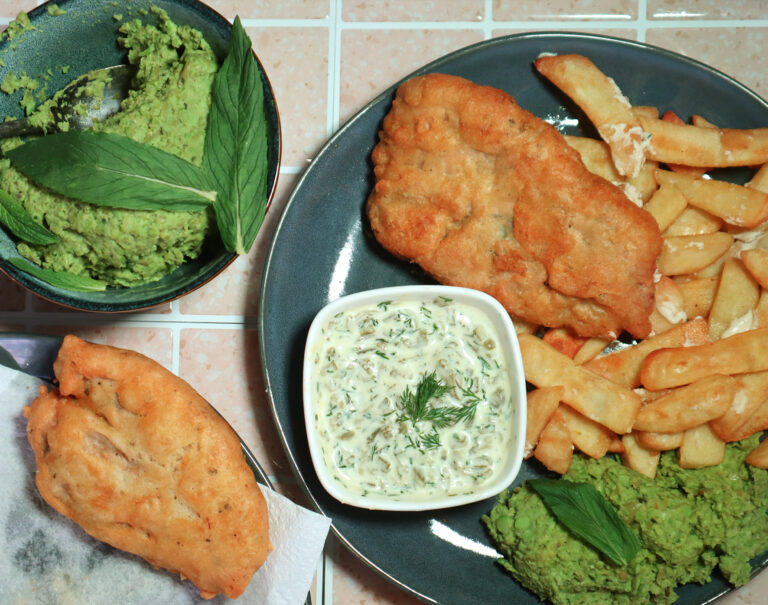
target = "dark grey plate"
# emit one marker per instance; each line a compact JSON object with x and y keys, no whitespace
{"x":34,"y":354}
{"x":323,"y":249}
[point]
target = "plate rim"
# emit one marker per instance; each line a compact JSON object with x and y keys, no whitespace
{"x":341,"y":132}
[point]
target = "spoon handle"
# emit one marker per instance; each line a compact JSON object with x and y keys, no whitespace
{"x":18,"y":128}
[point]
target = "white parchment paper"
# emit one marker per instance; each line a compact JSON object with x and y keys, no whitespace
{"x":46,"y":559}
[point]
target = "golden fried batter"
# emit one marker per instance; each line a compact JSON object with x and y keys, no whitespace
{"x":485,"y":195}
{"x":139,"y":460}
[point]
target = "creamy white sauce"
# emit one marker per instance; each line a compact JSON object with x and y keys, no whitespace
{"x":366,"y":360}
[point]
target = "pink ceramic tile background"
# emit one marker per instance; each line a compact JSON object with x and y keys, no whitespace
{"x":326,"y":59}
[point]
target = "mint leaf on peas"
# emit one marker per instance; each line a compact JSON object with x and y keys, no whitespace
{"x":113,"y":170}
{"x":21,"y":224}
{"x":588,"y":515}
{"x":235,"y":152}
{"x":59,"y":279}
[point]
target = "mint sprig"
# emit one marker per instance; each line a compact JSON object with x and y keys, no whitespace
{"x":235,"y":152}
{"x":59,"y":279}
{"x":113,"y":170}
{"x":20,"y":222}
{"x":588,"y":515}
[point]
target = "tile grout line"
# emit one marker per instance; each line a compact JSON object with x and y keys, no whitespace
{"x":335,"y":27}
{"x":642,"y":20}
{"x":488,"y":24}
{"x":175,"y":348}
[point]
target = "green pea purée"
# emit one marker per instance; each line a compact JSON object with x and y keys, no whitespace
{"x":690,"y":522}
{"x":167,"y":108}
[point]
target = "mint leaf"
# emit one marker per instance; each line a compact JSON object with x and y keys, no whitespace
{"x":113,"y":170}
{"x":59,"y":279}
{"x":235,"y":152}
{"x":21,"y":224}
{"x":589,"y":516}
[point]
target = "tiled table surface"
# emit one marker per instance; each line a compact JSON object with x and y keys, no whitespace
{"x":326,"y":59}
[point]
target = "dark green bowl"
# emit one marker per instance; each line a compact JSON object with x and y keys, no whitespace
{"x":84,"y":38}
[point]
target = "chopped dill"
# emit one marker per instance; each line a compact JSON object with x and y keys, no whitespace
{"x":417,"y":409}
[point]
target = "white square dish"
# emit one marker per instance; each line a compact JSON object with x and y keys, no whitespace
{"x":414,"y":398}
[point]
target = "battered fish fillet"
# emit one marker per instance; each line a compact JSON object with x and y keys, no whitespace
{"x":485,"y":195}
{"x":139,"y":460}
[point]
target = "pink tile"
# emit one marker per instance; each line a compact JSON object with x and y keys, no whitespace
{"x":750,"y":594}
{"x":156,"y":343}
{"x":296,"y":60}
{"x":707,"y":9}
{"x":560,"y":10}
{"x":10,"y":8}
{"x":46,"y":306}
{"x":744,"y":59}
{"x":363,"y":72}
{"x":12,"y":295}
{"x":224,"y":367}
{"x":355,"y":582}
{"x":236,"y":290}
{"x":272,"y":9}
{"x":407,"y":10}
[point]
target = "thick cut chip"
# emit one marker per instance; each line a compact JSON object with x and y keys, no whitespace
{"x":666,"y":205}
{"x":759,"y":180}
{"x":759,"y":456}
{"x":669,"y":308}
{"x":751,"y":394}
{"x":564,"y":341}
{"x":132,"y":454}
{"x":686,"y":254}
{"x":698,"y":294}
{"x":694,"y":221}
{"x":540,"y":404}
{"x":588,"y":436}
{"x":704,"y":146}
{"x":593,"y":396}
{"x":623,"y":367}
{"x":736,"y":204}
{"x":555,"y":447}
{"x":639,"y":458}
{"x":700,"y":448}
{"x":735,"y":299}
{"x":671,"y":116}
{"x":756,"y":262}
{"x":659,"y":442}
{"x":757,"y":421}
{"x":485,"y":195}
{"x":607,"y":108}
{"x":738,"y":354}
{"x":688,"y":406}
{"x":591,"y":349}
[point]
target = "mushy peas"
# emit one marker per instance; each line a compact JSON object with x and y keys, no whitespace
{"x":168,"y":108}
{"x":689,"y":522}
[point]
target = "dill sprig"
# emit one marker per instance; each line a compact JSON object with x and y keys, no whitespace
{"x":417,"y":409}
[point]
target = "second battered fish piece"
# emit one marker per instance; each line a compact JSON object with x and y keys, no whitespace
{"x":483,"y":194}
{"x":137,"y":458}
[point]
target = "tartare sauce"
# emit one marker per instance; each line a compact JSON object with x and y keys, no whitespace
{"x":413,"y":399}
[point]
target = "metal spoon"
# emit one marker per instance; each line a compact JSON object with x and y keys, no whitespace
{"x":77,"y":106}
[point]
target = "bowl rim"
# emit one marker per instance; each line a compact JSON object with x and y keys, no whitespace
{"x":218,"y":263}
{"x":482,"y":302}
